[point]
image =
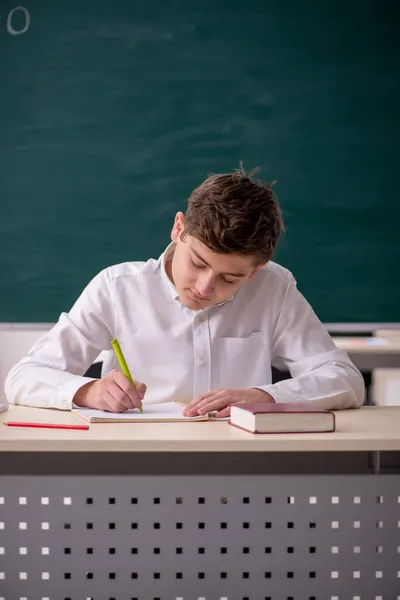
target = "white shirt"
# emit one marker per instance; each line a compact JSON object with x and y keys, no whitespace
{"x":179,"y":353}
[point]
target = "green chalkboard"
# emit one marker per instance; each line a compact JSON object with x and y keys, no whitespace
{"x":112,"y":111}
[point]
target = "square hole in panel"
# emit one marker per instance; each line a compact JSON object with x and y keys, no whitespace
{"x":134,"y":525}
{"x":2,"y":524}
{"x":156,"y":575}
{"x":246,"y":525}
{"x":357,"y":500}
{"x":246,"y":550}
{"x":44,"y":500}
{"x":224,"y":500}
{"x":134,"y":576}
{"x":356,"y":524}
{"x":267,"y":574}
{"x":312,"y":549}
{"x":290,"y":550}
{"x":45,"y":525}
{"x":135,"y":550}
{"x":312,"y":500}
{"x":335,"y":524}
{"x":89,"y":575}
{"x":134,"y":500}
{"x":201,"y":525}
{"x":201,"y":550}
{"x":356,"y":549}
{"x":89,"y":525}
{"x":312,"y":574}
{"x":23,"y":575}
{"x":379,"y":499}
{"x":224,"y":525}
{"x":2,"y":575}
{"x":67,"y":550}
{"x":111,"y":576}
{"x":22,"y":525}
{"x":268,"y":500}
{"x":89,"y":500}
{"x":312,"y":525}
{"x":111,"y":501}
{"x":178,"y":575}
{"x":224,"y":550}
{"x":245,"y":575}
{"x":67,"y":575}
{"x":335,"y":549}
{"x":201,"y":500}
{"x":67,"y":525}
{"x":2,"y":500}
{"x":290,"y":525}
{"x":290,"y":574}
{"x":67,"y":501}
{"x":157,"y":525}
{"x":378,"y":574}
{"x":223,"y":575}
{"x":268,"y":549}
{"x":111,"y":551}
{"x":356,"y":574}
{"x":246,"y":500}
{"x":179,"y":550}
{"x":291,"y":500}
{"x":335,"y":499}
{"x":22,"y":500}
{"x":379,"y":549}
{"x":89,"y":550}
{"x":45,"y":575}
{"x":2,"y":550}
{"x":334,"y":574}
{"x":379,"y":524}
{"x":23,"y":550}
{"x":45,"y":550}
{"x":111,"y":526}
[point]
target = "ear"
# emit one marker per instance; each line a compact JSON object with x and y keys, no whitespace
{"x":254,"y":271}
{"x":178,"y":226}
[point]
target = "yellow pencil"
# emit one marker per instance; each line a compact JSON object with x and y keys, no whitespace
{"x":122,"y":363}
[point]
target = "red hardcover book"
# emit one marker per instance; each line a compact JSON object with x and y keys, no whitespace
{"x":282,"y":418}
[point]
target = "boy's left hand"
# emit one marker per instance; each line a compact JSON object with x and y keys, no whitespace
{"x":220,"y":400}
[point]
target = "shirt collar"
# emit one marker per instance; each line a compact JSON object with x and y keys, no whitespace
{"x":165,"y":257}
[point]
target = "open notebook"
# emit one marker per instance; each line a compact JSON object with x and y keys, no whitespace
{"x":164,"y":412}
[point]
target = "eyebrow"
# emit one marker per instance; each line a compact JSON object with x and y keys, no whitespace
{"x":206,"y":263}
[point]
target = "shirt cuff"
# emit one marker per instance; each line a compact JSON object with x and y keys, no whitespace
{"x":264,"y":389}
{"x":68,"y":390}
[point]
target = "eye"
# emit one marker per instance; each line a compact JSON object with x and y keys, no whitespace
{"x":197,"y":265}
{"x":227,"y":280}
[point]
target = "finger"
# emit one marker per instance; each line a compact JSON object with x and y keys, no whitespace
{"x":199,"y":401}
{"x":128,"y":390}
{"x":110,"y":404}
{"x":218,"y":404}
{"x":120,"y":399}
{"x":225,"y":412}
{"x":140,"y":389}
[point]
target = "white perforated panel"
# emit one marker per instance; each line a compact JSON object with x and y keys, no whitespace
{"x":238,"y":537}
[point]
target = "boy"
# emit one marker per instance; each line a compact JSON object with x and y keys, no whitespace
{"x":200,"y":325}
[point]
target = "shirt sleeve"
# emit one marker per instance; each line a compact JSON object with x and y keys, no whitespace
{"x":321,"y":374}
{"x":52,"y":372}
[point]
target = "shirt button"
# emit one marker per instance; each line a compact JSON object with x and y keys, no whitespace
{"x":202,"y":362}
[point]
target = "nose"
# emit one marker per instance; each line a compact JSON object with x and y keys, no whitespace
{"x":205,"y":286}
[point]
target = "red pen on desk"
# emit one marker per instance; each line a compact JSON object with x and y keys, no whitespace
{"x":45,"y":425}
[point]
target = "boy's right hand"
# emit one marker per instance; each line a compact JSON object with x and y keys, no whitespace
{"x":113,"y":393}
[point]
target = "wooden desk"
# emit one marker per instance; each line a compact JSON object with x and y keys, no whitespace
{"x":199,"y":510}
{"x":370,"y":353}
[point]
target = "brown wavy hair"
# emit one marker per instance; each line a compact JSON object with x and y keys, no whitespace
{"x":235,"y":213}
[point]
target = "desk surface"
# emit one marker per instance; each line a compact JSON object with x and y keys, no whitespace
{"x":368,"y":428}
{"x":368,"y":345}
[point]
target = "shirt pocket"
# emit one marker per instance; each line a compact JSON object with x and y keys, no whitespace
{"x":242,"y":362}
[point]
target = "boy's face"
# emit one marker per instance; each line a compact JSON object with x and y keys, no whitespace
{"x":203,"y":278}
